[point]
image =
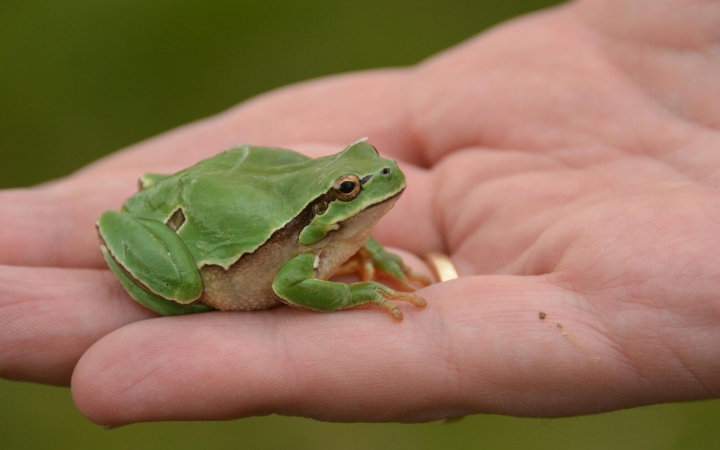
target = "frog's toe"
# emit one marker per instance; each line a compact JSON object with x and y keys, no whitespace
{"x":416,"y":280}
{"x":391,"y":307}
{"x":391,"y":266}
{"x":410,"y":297}
{"x":388,"y":295}
{"x":405,"y":276}
{"x":420,"y":302}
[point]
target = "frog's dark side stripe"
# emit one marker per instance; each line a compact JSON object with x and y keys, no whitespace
{"x":225,"y":288}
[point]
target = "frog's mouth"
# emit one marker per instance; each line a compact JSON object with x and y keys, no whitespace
{"x":392,"y":199}
{"x":370,"y":214}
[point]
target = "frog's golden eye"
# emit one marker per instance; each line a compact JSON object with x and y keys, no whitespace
{"x":347,"y":187}
{"x":320,"y":208}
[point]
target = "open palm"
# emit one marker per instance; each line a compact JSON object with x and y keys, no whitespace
{"x":568,"y":162}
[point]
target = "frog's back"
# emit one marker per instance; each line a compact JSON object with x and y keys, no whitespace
{"x":247,"y":159}
{"x":167,"y":190}
{"x":231,"y":203}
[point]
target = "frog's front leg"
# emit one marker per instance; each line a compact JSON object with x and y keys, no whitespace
{"x":296,"y":284}
{"x":372,"y":258}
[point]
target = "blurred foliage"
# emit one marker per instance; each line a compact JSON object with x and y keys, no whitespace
{"x":43,"y":417}
{"x":80,"y":79}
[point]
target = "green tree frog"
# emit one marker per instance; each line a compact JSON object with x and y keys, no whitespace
{"x":255,"y":227}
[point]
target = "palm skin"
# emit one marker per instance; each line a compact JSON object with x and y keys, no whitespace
{"x":568,"y":162}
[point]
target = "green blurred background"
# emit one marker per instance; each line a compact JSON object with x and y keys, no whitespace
{"x":82,"y":78}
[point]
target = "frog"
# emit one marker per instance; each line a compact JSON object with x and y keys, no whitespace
{"x":256,"y":227}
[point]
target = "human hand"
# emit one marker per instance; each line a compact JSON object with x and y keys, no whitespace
{"x":566,"y":161}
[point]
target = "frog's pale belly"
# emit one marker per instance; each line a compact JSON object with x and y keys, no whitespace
{"x":247,"y":284}
{"x":233,"y":290}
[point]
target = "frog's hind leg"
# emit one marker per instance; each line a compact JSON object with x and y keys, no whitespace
{"x":147,"y":299}
{"x":151,"y":262}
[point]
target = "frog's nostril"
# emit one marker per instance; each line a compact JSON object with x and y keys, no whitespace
{"x":385,"y":171}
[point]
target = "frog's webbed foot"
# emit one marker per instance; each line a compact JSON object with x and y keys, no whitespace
{"x":372,"y":259}
{"x":384,"y":296}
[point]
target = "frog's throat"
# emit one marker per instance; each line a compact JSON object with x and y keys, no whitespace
{"x":317,"y":229}
{"x":369,"y":215}
{"x":350,"y":236}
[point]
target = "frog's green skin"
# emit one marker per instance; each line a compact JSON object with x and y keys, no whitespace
{"x":254,"y":227}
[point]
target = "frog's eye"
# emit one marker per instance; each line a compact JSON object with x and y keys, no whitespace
{"x":347,"y":187}
{"x":320,"y":208}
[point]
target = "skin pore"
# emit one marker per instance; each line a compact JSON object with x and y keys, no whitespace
{"x":568,"y":163}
